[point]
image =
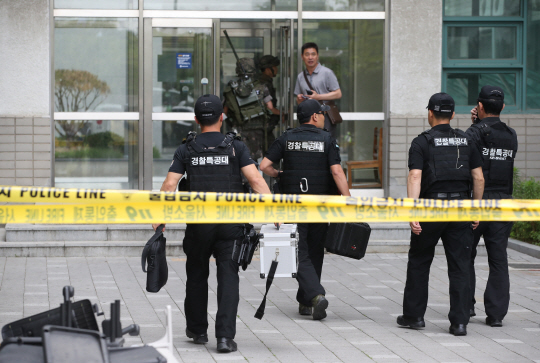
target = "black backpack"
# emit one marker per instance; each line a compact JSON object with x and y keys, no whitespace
{"x":154,"y":254}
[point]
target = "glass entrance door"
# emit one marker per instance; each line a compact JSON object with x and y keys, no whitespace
{"x":186,"y":58}
{"x":179,"y":68}
{"x":255,"y":39}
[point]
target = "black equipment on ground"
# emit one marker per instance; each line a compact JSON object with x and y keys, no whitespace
{"x":32,"y":326}
{"x":62,"y":344}
{"x":42,"y":338}
{"x":243,"y":249}
{"x":154,"y":253}
{"x":348,"y":239}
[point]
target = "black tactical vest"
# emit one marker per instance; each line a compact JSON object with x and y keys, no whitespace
{"x":305,"y":162}
{"x":498,"y":143}
{"x":213,"y":169}
{"x":448,"y":159}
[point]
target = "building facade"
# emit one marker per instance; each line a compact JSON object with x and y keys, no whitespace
{"x":98,"y":94}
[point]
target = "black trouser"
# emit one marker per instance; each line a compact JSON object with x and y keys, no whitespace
{"x":497,"y":294}
{"x":310,"y":261}
{"x":457,"y":239}
{"x":200,"y":242}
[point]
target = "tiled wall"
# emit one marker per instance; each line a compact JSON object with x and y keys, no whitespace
{"x":25,"y":151}
{"x":404,"y":130}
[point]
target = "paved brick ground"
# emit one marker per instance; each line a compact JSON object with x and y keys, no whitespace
{"x":365,"y":298}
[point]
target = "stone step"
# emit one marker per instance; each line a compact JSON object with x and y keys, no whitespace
{"x":29,"y":240}
{"x":88,"y":232}
{"x":142,"y":232}
{"x":134,"y":249}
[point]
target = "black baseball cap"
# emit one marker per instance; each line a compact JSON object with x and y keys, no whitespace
{"x":308,"y":108}
{"x":208,"y":107}
{"x":441,"y":102}
{"x":491,"y":93}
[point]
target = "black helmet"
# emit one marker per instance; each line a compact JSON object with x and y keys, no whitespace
{"x":268,"y":61}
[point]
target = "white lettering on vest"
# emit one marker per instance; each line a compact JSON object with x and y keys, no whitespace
{"x":311,"y":146}
{"x":450,"y":141}
{"x":209,"y":160}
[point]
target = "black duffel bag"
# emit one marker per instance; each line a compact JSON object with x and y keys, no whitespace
{"x":348,"y":239}
{"x":154,"y":254}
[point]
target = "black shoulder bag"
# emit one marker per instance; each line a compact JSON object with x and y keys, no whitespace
{"x":154,"y":253}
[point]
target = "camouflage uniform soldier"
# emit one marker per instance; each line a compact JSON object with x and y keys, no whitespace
{"x":246,"y":106}
{"x":268,"y":65}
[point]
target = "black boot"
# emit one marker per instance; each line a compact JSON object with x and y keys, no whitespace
{"x":458,"y":329}
{"x":320,"y":304}
{"x":414,"y":323}
{"x":304,"y":310}
{"x":197,"y":338}
{"x":226,"y":345}
{"x":494,"y":323}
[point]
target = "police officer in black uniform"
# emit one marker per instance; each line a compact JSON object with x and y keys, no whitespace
{"x":441,"y":163}
{"x":498,"y":144}
{"x":213,"y":163}
{"x":311,"y":165}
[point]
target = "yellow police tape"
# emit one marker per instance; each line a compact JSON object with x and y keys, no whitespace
{"x":95,"y":206}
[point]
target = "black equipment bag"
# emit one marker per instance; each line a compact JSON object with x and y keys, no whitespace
{"x":348,"y":239}
{"x":154,"y":254}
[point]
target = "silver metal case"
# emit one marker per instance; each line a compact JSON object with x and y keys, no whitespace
{"x":284,"y":242}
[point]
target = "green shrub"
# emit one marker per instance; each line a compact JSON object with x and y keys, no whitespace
{"x":105,"y":139}
{"x":90,"y":153}
{"x":156,"y":153}
{"x":528,"y":231}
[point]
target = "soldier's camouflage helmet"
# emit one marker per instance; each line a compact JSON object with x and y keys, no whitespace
{"x":248,"y":64}
{"x":268,"y":61}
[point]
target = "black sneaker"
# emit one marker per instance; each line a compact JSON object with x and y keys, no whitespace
{"x":226,"y":345}
{"x":472,"y":313}
{"x":304,"y":310}
{"x":414,"y":323}
{"x":197,"y":338}
{"x":320,"y":304}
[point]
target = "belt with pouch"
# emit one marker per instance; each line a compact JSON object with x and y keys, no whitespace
{"x":454,"y":195}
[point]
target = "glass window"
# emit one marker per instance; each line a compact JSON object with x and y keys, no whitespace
{"x":96,"y":4}
{"x":96,"y":154}
{"x":464,"y":87}
{"x":533,"y":55}
{"x":480,"y":42}
{"x":213,"y":5}
{"x":482,"y":8}
{"x":182,"y":58}
{"x":167,"y":136}
{"x":360,"y":141}
{"x":354,"y":50}
{"x":96,"y":65}
{"x":349,"y":5}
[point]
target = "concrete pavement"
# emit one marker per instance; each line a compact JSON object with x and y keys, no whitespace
{"x":365,"y":298}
